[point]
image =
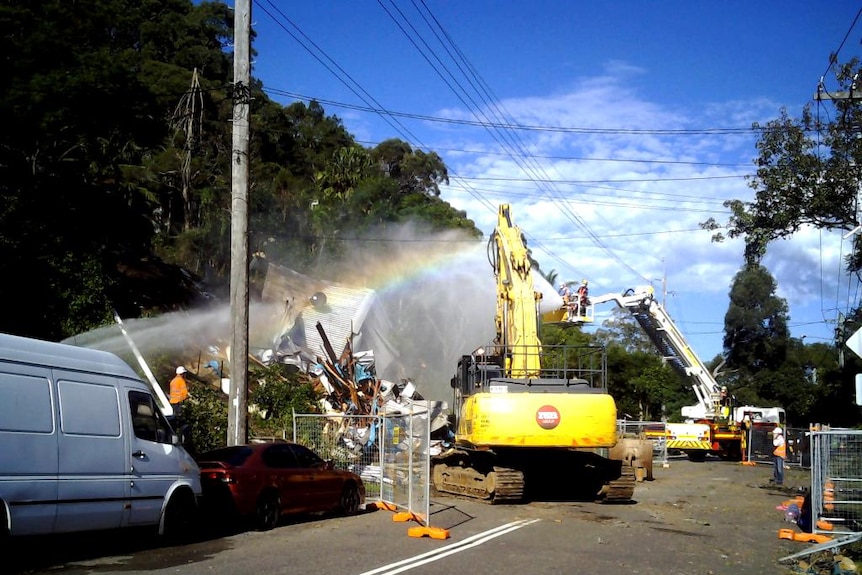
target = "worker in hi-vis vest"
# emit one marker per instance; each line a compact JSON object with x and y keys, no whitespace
{"x":780,"y":453}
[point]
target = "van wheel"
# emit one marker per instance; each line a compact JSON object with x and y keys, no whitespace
{"x":180,"y":516}
{"x":4,"y":526}
{"x":349,"y":502}
{"x":268,"y":510}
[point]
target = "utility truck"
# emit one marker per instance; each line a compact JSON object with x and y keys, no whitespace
{"x":713,"y":425}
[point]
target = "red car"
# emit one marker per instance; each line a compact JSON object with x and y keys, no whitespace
{"x":267,"y":480}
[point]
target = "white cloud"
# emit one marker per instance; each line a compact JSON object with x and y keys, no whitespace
{"x":590,"y":222}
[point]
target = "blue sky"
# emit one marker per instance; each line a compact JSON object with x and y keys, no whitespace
{"x":638,"y":116}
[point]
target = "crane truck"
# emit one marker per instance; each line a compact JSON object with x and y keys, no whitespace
{"x":525,"y":422}
{"x":714,"y":425}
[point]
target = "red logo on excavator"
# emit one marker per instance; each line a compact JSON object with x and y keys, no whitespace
{"x":548,"y":417}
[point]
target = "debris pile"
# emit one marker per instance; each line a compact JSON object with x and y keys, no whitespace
{"x":349,"y":386}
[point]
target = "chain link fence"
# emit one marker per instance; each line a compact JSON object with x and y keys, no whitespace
{"x":389,"y":452}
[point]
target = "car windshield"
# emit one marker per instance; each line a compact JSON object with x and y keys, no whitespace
{"x":231,"y":455}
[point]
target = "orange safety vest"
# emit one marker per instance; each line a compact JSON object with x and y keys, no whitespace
{"x":781,"y":449}
{"x":179,"y":389}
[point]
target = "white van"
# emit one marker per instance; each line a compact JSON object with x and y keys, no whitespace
{"x":84,"y":446}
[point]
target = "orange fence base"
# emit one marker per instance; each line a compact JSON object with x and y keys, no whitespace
{"x":419,"y":531}
{"x":806,"y":537}
{"x":432,"y":532}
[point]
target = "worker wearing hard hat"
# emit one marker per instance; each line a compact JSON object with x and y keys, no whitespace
{"x":779,"y":453}
{"x":583,"y":294}
{"x":179,"y":390}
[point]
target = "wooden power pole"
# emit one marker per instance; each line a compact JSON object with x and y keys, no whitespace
{"x":237,"y":427}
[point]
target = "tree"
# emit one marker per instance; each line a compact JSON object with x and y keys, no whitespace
{"x":414,"y":170}
{"x":808,"y":174}
{"x":624,"y":330}
{"x":83,"y":109}
{"x":755,"y":325}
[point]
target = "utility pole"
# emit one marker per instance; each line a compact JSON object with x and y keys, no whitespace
{"x":237,"y":419}
{"x":853,"y":94}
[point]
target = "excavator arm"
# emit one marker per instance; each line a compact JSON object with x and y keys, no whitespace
{"x":517,"y":317}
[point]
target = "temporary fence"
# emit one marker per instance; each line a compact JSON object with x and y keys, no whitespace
{"x":349,"y":441}
{"x":389,"y":452}
{"x":798,"y":447}
{"x":654,"y":431}
{"x":836,"y":481}
{"x":759,"y":445}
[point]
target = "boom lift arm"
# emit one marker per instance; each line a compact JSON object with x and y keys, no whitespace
{"x":673,"y":347}
{"x":712,"y":426}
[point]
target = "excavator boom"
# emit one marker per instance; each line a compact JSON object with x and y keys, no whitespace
{"x":524,"y":416}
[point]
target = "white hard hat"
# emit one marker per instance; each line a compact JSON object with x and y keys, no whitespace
{"x":777,"y":430}
{"x":181,"y":370}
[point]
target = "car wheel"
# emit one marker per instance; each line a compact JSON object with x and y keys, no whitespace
{"x":349,"y":502}
{"x":180,"y":515}
{"x":268,"y":510}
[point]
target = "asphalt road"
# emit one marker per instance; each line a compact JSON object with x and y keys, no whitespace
{"x":707,"y":518}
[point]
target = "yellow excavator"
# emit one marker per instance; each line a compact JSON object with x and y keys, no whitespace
{"x":530,"y":420}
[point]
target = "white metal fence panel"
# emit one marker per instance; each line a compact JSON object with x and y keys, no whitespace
{"x":836,"y":480}
{"x":389,"y":452}
{"x":350,"y":441}
{"x":406,"y":463}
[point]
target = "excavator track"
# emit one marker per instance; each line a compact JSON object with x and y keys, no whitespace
{"x":620,"y":490}
{"x":501,"y":485}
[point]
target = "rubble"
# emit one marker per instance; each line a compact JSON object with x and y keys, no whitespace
{"x":315,"y":315}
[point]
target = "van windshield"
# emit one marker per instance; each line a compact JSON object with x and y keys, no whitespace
{"x":233,"y":456}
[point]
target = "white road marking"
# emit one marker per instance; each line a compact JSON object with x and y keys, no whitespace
{"x":437,"y":554}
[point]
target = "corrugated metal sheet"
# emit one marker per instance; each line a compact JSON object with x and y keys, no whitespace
{"x":341,"y":316}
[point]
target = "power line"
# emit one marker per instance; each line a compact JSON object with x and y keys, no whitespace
{"x":529,"y":127}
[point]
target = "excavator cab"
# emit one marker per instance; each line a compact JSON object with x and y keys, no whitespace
{"x":475,"y":372}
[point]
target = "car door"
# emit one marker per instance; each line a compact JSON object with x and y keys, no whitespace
{"x":151,"y":459}
{"x":323,"y":483}
{"x":283,"y":472}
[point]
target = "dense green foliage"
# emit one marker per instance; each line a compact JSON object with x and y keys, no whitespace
{"x":115,"y":189}
{"x":115,"y":172}
{"x":115,"y":157}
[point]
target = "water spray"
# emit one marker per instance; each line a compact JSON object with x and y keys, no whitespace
{"x":167,"y":408}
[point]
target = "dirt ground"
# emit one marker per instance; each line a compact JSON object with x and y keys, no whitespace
{"x":734,"y":503}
